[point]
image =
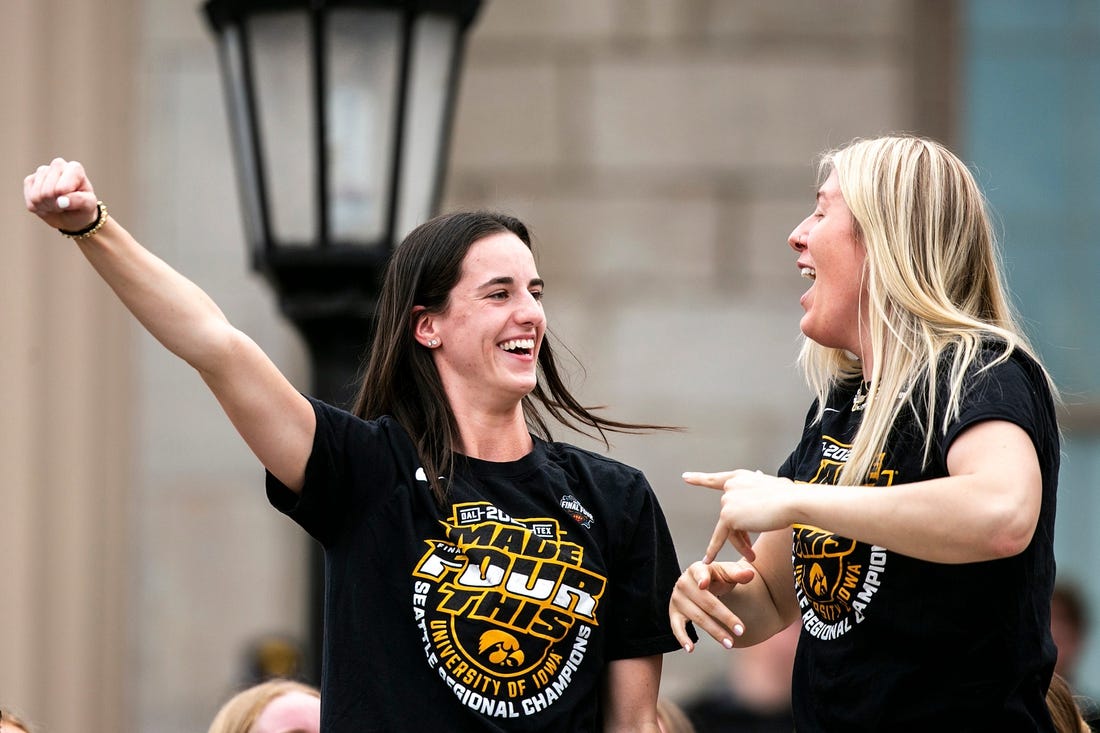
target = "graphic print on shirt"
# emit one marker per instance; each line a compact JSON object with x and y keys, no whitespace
{"x":576,"y":510}
{"x":836,"y":578}
{"x":505,"y":609}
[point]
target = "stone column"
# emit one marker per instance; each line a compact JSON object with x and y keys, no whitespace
{"x":65,"y":374}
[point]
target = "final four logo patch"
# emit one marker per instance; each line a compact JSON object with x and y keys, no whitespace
{"x":576,"y":510}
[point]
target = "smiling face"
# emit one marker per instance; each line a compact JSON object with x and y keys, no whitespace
{"x":489,"y":334}
{"x":832,"y":257}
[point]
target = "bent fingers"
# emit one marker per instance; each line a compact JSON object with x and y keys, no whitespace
{"x":739,"y":538}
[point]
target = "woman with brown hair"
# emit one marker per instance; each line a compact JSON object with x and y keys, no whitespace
{"x":479,"y":575}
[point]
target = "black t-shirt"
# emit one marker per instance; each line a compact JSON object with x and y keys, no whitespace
{"x":893,"y":643}
{"x":498,"y":612}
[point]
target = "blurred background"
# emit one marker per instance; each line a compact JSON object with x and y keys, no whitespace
{"x":660,"y":150}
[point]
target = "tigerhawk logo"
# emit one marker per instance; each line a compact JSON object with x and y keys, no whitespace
{"x":503,"y":648}
{"x":836,"y":578}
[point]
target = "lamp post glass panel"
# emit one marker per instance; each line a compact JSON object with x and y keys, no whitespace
{"x":340,"y":113}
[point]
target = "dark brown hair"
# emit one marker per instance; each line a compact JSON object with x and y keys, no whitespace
{"x":401,"y":379}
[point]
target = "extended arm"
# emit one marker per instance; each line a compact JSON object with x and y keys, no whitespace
{"x":631,"y":688}
{"x":275,"y":420}
{"x":986,"y":508}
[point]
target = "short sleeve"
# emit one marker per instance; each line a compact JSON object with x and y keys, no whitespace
{"x":810,"y":437}
{"x":645,"y":573}
{"x":349,"y":465}
{"x":1013,"y":390}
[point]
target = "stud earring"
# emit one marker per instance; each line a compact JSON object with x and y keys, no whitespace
{"x":433,"y":343}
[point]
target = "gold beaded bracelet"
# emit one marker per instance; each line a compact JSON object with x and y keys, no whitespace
{"x":100,"y":218}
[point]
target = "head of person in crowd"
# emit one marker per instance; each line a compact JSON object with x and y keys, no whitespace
{"x":1069,"y":625}
{"x":10,"y":722}
{"x":759,"y":676}
{"x":1063,"y":707}
{"x":274,"y":706}
{"x":671,"y":718}
{"x":755,"y":693}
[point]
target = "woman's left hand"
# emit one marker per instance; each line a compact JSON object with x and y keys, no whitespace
{"x":751,"y":502}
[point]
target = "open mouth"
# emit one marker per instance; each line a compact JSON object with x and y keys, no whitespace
{"x":808,"y":272}
{"x":518,"y":346}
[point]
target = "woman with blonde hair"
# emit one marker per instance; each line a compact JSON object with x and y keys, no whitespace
{"x":911,"y":530}
{"x":12,"y":723}
{"x":274,"y":706}
{"x":671,"y":718}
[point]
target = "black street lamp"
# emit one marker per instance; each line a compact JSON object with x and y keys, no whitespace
{"x":340,"y":112}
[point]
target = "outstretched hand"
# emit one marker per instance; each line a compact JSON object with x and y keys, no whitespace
{"x":61,"y":195}
{"x":696,"y":598}
{"x":751,"y":502}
